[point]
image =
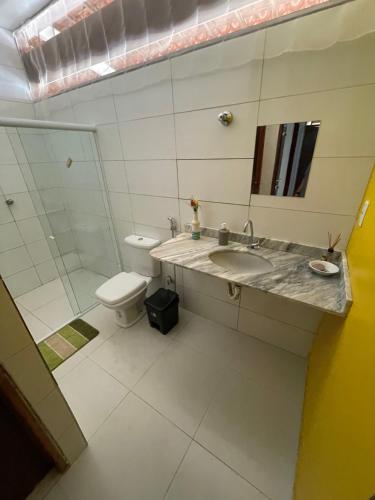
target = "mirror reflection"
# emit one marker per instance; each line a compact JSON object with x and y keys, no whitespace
{"x":283,"y":156}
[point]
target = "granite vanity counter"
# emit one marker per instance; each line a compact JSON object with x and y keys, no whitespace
{"x":290,"y":277}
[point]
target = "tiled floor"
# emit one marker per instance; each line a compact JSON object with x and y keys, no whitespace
{"x":202,"y":413}
{"x":47,"y":307}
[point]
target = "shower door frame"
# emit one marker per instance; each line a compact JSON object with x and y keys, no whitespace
{"x":78,"y":127}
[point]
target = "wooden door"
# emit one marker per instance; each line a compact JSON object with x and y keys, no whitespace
{"x":23,"y":461}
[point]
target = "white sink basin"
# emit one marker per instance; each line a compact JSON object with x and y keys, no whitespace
{"x":241,"y":262}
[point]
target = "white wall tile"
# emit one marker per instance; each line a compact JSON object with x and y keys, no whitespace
{"x":301,"y":59}
{"x":121,"y":208}
{"x":213,"y":214}
{"x":35,"y":147}
{"x":23,"y":282}
{"x":153,"y":210}
{"x":148,"y":139}
{"x":28,"y":176}
{"x":57,"y":108}
{"x":109,"y":142}
{"x":7,"y":155}
{"x":143,"y":93}
{"x":206,"y":284}
{"x":11,"y":179}
{"x":14,"y":85}
{"x":47,"y":175}
{"x":9,"y":53}
{"x":30,"y":229}
{"x":14,"y":261}
{"x":199,"y":134}
{"x":115,"y":176}
{"x":13,"y":109}
{"x":281,"y":309}
{"x":90,"y":93}
{"x":16,"y":145}
{"x":225,"y":181}
{"x":100,"y":111}
{"x":346,"y":119}
{"x":153,"y":177}
{"x":348,"y":175}
{"x":211,"y":308}
{"x":9,"y":237}
{"x":39,"y":251}
{"x":274,"y":332}
{"x":226,"y":73}
{"x":310,"y":228}
{"x":47,"y":271}
{"x":5,"y":213}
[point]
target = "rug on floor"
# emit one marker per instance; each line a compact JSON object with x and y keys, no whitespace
{"x":59,"y":346}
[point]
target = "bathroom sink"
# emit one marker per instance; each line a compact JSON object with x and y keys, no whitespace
{"x":241,"y":262}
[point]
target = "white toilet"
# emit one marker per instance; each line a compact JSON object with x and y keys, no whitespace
{"x":125,"y":292}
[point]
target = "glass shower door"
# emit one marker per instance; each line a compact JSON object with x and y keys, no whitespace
{"x":73,"y":210}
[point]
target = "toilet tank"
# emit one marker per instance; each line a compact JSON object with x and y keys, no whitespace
{"x":138,"y":249}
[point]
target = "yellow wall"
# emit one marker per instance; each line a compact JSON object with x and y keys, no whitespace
{"x":337,"y":449}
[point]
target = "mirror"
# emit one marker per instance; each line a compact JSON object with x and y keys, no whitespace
{"x":283,"y":156}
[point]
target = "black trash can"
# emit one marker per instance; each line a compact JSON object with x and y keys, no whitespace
{"x":162,"y":309}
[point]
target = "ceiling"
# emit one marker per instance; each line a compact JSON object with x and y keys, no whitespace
{"x":13,"y":13}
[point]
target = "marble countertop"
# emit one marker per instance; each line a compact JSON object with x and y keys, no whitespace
{"x":290,"y":277}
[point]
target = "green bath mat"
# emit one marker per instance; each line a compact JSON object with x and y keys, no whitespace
{"x":62,"y":344}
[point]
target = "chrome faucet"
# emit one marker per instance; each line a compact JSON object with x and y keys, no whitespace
{"x":254,"y":243}
{"x":173,"y":226}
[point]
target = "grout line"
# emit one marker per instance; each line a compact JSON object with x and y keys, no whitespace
{"x":179,"y":222}
{"x":231,"y":468}
{"x":165,"y":417}
{"x":177,"y":469}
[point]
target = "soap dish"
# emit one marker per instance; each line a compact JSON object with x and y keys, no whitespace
{"x":323,"y":267}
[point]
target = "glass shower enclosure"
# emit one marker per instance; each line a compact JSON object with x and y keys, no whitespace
{"x":63,"y":180}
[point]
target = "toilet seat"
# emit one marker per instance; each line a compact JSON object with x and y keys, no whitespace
{"x":121,"y":288}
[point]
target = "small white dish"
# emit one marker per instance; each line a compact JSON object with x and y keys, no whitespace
{"x":323,"y":267}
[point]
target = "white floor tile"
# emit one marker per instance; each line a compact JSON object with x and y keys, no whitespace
{"x":251,"y":357}
{"x":134,"y":455}
{"x":269,"y":365}
{"x":42,"y":295}
{"x":55,"y":313}
{"x":210,"y":338}
{"x":203,"y":477}
{"x":101,"y":318}
{"x":62,"y":370}
{"x":37,"y":329}
{"x":84,"y":284}
{"x":255,"y":431}
{"x":181,"y":385}
{"x":129,"y":353}
{"x":92,"y":395}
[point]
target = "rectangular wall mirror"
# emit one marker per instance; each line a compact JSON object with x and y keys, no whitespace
{"x":283,"y":156}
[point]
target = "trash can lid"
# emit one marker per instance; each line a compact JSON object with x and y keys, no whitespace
{"x":161,"y":299}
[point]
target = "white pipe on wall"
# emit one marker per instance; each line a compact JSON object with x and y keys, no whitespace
{"x":28,"y":123}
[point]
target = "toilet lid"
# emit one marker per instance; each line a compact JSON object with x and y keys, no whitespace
{"x":120,"y":287}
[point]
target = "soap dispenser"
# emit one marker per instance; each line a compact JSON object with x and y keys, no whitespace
{"x":223,"y":234}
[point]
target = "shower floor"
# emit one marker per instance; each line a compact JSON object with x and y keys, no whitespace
{"x":47,"y":308}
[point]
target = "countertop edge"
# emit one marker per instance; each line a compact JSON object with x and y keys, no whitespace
{"x":342,"y":312}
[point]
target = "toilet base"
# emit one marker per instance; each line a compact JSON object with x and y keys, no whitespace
{"x":128,"y":317}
